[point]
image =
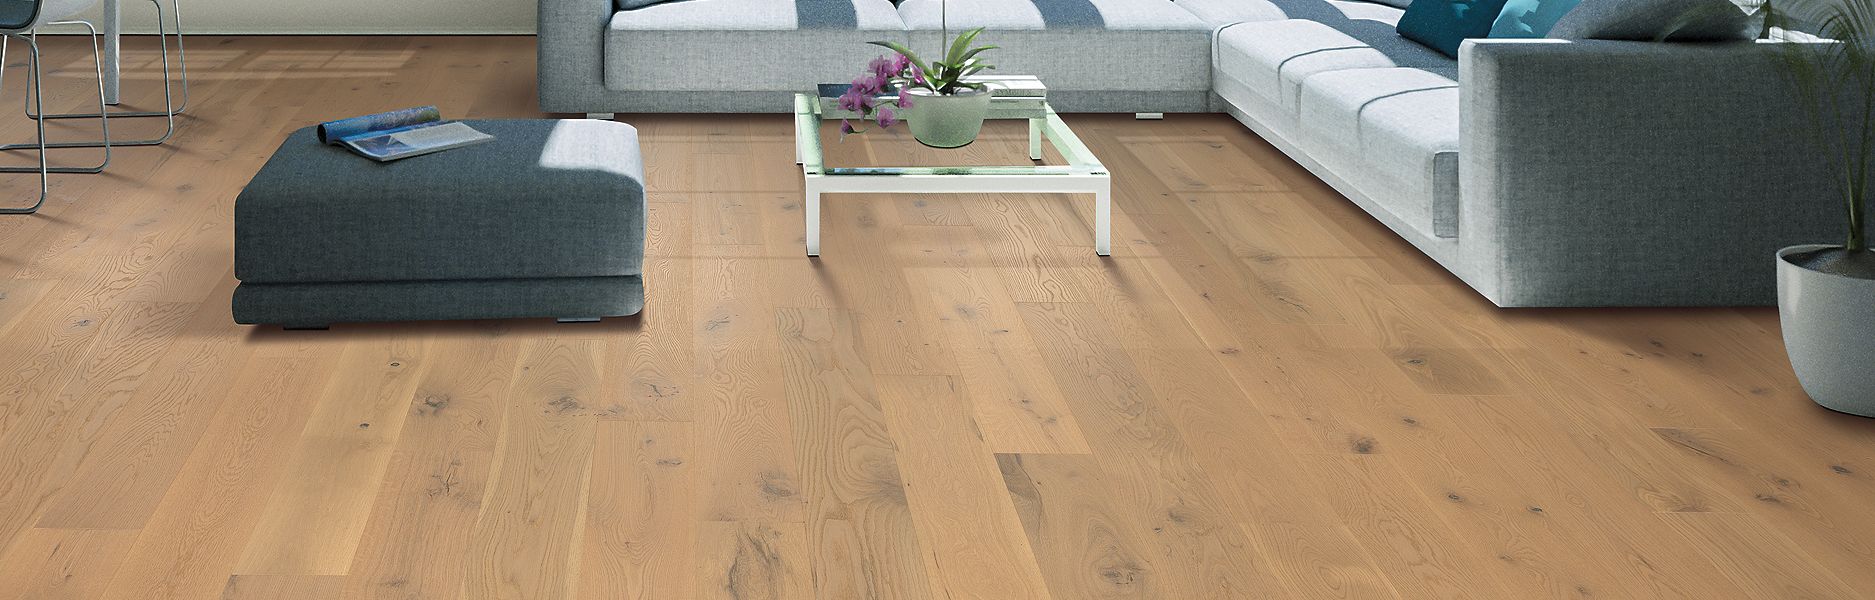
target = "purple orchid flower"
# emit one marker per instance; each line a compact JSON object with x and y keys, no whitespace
{"x":882,"y":68}
{"x":851,"y":101}
{"x":846,"y":128}
{"x":886,"y":118}
{"x":868,"y":85}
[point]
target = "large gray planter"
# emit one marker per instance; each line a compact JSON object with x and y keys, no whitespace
{"x":1829,"y":332}
{"x":947,"y":121}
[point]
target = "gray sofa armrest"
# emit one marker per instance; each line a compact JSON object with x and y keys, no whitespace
{"x":1598,"y":173}
{"x":572,"y":52}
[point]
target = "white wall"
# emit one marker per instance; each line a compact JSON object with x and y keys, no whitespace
{"x":340,"y":16}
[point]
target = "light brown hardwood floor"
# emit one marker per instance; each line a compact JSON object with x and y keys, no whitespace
{"x":1262,"y":394}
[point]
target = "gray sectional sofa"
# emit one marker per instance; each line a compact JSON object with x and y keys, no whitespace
{"x":1541,"y":172}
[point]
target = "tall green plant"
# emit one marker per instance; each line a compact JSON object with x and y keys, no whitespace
{"x":946,"y":76}
{"x":1835,"y":82}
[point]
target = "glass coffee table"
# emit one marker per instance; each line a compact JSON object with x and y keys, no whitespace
{"x":1082,"y":174}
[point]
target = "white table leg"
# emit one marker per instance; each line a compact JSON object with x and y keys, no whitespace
{"x":1103,"y":220}
{"x":813,"y":217}
{"x":113,"y":49}
{"x":1035,"y":139}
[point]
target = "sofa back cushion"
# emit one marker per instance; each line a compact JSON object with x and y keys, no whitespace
{"x":1444,"y":24}
{"x":1644,"y":20}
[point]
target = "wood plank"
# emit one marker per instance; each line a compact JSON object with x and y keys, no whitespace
{"x":973,"y":541}
{"x":142,"y":446}
{"x":753,"y":474}
{"x":648,"y":377}
{"x":416,"y":542}
{"x":642,"y":523}
{"x":525,"y":542}
{"x":1017,"y":404}
{"x":1144,"y":456}
{"x":47,"y":436}
{"x":63,"y":564}
{"x":194,"y":539}
{"x":1760,"y":561}
{"x":1596,"y":503}
{"x":314,"y":521}
{"x":1789,"y":494}
{"x":1077,"y":521}
{"x":861,"y":537}
{"x":16,"y":296}
{"x":1306,"y":546}
{"x":283,"y":587}
{"x":739,"y":560}
{"x":1421,"y":555}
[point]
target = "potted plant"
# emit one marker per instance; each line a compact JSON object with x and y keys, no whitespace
{"x":942,"y":109}
{"x":1826,"y":293}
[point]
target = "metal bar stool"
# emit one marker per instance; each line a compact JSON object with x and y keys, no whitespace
{"x":170,"y":108}
{"x":22,"y":19}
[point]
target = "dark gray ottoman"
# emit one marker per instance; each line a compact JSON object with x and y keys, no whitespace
{"x":548,"y":220}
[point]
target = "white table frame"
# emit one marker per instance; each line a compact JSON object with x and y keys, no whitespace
{"x":1083,"y":175}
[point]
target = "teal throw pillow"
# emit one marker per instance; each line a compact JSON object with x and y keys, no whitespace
{"x":1530,"y":18}
{"x":1443,"y":24}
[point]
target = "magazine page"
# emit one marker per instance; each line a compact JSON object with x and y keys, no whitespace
{"x":415,"y":140}
{"x":334,"y":132}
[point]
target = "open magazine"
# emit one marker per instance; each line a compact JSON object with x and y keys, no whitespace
{"x":398,"y":134}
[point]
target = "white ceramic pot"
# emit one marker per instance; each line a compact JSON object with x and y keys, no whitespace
{"x":1829,"y":332}
{"x":947,"y":120}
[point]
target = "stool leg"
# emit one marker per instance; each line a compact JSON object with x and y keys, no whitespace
{"x":37,"y":101}
{"x":43,"y":170}
{"x":169,"y":112}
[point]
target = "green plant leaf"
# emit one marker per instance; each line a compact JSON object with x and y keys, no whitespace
{"x":975,"y":51}
{"x":961,"y":44}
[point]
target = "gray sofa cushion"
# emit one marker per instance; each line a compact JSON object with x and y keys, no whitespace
{"x":657,"y":48}
{"x":1402,"y":124}
{"x":1274,"y":58}
{"x":1642,"y":20}
{"x":545,"y":199}
{"x":1032,"y":15}
{"x":1218,"y":13}
{"x":631,"y":4}
{"x":762,"y":15}
{"x":1082,"y":45}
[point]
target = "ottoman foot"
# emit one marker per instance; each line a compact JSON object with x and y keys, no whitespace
{"x":577,"y":320}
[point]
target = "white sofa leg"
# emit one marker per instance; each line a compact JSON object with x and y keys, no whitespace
{"x":1149,"y":116}
{"x":601,"y":116}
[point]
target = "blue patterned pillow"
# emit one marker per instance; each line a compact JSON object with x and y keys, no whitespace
{"x":1444,"y":24}
{"x":1530,"y":18}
